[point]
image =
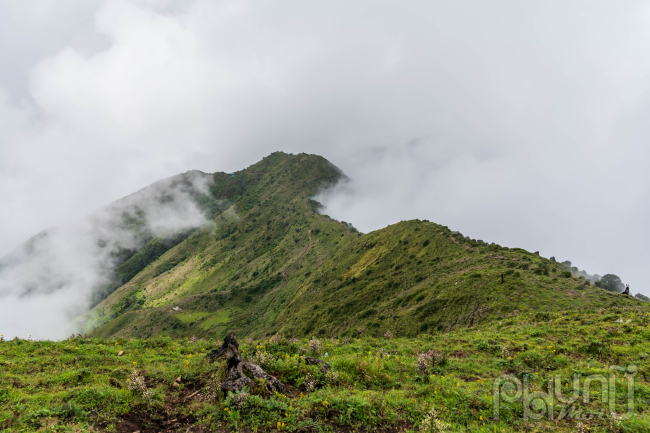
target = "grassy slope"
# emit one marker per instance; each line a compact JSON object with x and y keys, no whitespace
{"x":254,"y":270}
{"x":81,"y":383}
{"x":430,"y":287}
{"x":228,"y":267}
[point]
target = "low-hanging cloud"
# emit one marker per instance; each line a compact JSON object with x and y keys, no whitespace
{"x":53,"y":278}
{"x":521,"y":123}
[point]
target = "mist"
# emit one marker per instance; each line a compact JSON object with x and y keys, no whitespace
{"x":519,"y":123}
{"x":52,"y":279}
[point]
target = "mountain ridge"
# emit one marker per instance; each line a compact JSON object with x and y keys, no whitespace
{"x":269,"y":263}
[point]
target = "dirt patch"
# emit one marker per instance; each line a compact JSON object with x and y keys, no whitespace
{"x":156,"y":419}
{"x":146,"y":421}
{"x":459,"y":354}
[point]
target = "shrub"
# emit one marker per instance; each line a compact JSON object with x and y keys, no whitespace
{"x":432,"y":424}
{"x":136,"y":383}
{"x":213,"y":389}
{"x":263,"y":359}
{"x":238,"y":399}
{"x":314,"y":346}
{"x":566,"y":274}
{"x":332,"y":377}
{"x":489,"y":346}
{"x":426,"y":360}
{"x":596,"y":347}
{"x":309,"y":382}
{"x":541,"y":270}
{"x":642,"y":297}
{"x":610,"y":282}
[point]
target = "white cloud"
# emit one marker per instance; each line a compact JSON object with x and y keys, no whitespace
{"x":522,"y":123}
{"x":55,"y":276}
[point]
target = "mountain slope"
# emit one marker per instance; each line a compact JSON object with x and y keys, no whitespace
{"x":268,"y":263}
{"x":64,"y":270}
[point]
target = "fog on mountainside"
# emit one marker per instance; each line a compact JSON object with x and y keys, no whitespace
{"x":61,"y":272}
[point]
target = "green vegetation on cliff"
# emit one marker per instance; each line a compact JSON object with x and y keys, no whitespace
{"x":268,"y":263}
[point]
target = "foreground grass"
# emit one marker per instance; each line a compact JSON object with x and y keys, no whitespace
{"x":82,"y":384}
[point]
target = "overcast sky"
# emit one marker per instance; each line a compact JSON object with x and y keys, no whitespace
{"x":518,"y":122}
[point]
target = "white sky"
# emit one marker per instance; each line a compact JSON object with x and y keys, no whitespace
{"x":521,"y":123}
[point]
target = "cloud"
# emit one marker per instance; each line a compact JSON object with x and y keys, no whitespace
{"x":55,"y":276}
{"x":522,"y":123}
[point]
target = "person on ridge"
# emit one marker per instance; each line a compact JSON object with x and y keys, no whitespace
{"x":627,"y":289}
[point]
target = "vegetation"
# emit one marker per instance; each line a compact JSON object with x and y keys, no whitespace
{"x":642,"y":297}
{"x":269,"y":263}
{"x":416,"y":320}
{"x":611,"y":282}
{"x":382,"y":383}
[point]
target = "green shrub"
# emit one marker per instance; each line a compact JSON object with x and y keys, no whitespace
{"x":489,"y":346}
{"x":595,"y":347}
{"x":367,"y":313}
{"x":642,"y":297}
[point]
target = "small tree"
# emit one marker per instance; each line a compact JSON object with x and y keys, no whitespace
{"x":611,"y":282}
{"x":643,"y":297}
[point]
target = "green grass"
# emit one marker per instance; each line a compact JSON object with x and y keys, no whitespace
{"x":196,"y":316}
{"x":81,"y":383}
{"x":254,"y":261}
{"x":485,"y":309}
{"x":217,"y":319}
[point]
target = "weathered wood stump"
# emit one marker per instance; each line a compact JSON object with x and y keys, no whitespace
{"x":240,"y":371}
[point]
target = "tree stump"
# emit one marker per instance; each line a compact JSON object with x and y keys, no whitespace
{"x":240,"y":371}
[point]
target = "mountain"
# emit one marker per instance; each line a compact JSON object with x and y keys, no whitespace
{"x":267,"y":262}
{"x":441,"y":321}
{"x":61,"y":272}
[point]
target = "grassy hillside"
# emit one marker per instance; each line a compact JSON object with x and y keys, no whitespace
{"x":253,"y":246}
{"x":269,"y":263}
{"x":81,"y":384}
{"x":413,"y":318}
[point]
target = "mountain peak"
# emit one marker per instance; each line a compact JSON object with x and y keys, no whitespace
{"x":249,"y":250}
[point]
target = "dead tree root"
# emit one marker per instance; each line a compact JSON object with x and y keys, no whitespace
{"x":240,"y":371}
